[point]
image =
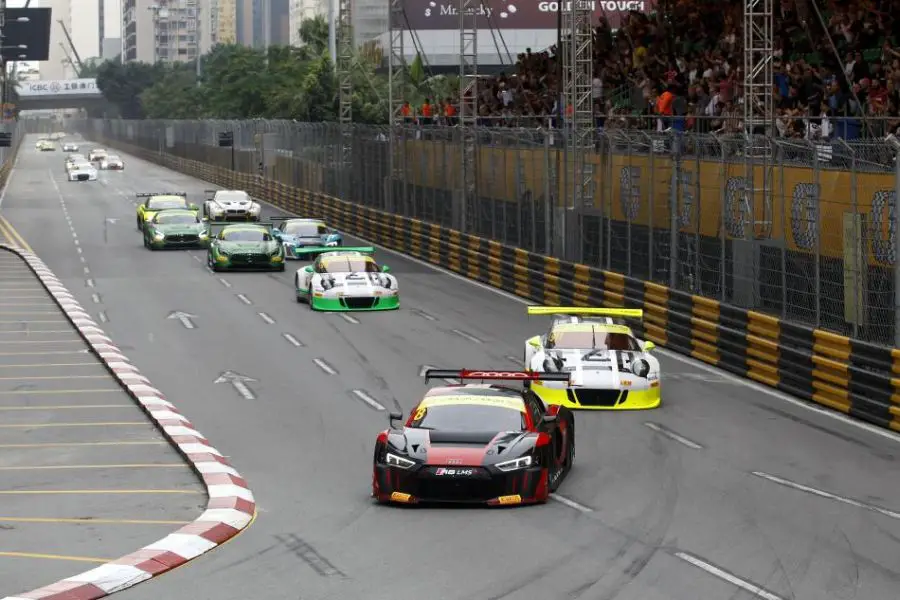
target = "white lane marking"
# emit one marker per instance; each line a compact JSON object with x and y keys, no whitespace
{"x":468,"y":336}
{"x":90,"y":283}
{"x":349,"y":319}
{"x":197,"y":258}
{"x":79,"y":250}
{"x":266,"y":318}
{"x":425,"y":315}
{"x":95,"y":298}
{"x":244,"y":299}
{"x":571,"y":503}
{"x":674,"y":436}
{"x":513,"y":359}
{"x":87,"y":271}
{"x":734,"y":580}
{"x":828,"y":495}
{"x":225,"y":282}
{"x":324,"y":366}
{"x":103,"y":317}
{"x":82,"y":259}
{"x":77,"y":243}
{"x":292,"y":340}
{"x":362,"y":395}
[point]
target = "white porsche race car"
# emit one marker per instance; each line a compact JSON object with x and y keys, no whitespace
{"x":610,"y":368}
{"x":225,"y":205}
{"x":81,"y":171}
{"x":347,"y":280}
{"x":112,"y":163}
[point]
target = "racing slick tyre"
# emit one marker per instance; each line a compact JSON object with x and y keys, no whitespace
{"x":140,"y":224}
{"x":309,"y":296}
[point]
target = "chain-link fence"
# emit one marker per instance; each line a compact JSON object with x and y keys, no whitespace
{"x":810,"y":237}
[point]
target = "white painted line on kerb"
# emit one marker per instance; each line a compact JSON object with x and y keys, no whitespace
{"x":292,"y":340}
{"x":225,"y":282}
{"x":266,"y":318}
{"x":468,"y":336}
{"x":571,"y":503}
{"x":349,"y":319}
{"x":828,"y":495}
{"x":674,"y":436}
{"x":734,"y":580}
{"x":95,"y":298}
{"x":90,"y":283}
{"x":324,"y":366}
{"x":244,"y":299}
{"x":103,"y":317}
{"x":368,"y":399}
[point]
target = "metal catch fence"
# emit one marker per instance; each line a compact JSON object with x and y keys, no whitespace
{"x":816,"y":244}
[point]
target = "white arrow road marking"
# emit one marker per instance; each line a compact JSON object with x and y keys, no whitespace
{"x":239,"y":383}
{"x":734,"y":580}
{"x":362,"y":395}
{"x":426,"y":368}
{"x":324,"y":366}
{"x":292,"y":340}
{"x":184,"y":317}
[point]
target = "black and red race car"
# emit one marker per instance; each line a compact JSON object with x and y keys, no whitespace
{"x":484,"y":444}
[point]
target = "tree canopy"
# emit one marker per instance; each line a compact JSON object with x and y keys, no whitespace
{"x":280,"y":82}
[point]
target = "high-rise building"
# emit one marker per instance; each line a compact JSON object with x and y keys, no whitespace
{"x":275,"y":19}
{"x":165,"y":30}
{"x":110,"y":29}
{"x":223,"y":21}
{"x":370,"y":18}
{"x":57,"y":65}
{"x":244,"y":21}
{"x":85,"y":27}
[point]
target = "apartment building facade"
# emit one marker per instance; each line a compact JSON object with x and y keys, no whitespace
{"x":165,"y":30}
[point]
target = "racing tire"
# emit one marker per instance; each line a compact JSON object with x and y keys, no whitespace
{"x":140,"y":224}
{"x":204,"y":212}
{"x":280,"y":269}
{"x":146,"y":243}
{"x":309,"y":297}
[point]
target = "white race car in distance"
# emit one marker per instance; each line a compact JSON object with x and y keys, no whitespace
{"x":70,"y":147}
{"x":227,"y":205}
{"x":82,"y":171}
{"x":97,"y":154}
{"x":347,"y":280}
{"x":112,"y":163}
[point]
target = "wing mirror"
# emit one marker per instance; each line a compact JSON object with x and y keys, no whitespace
{"x":648,"y":346}
{"x":385,"y":269}
{"x":548,"y":419}
{"x":393,"y":417}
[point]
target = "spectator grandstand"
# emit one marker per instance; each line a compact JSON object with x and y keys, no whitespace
{"x":837,"y":72}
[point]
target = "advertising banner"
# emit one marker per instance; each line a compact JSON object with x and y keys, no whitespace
{"x":62,"y":87}
{"x":516,"y":14}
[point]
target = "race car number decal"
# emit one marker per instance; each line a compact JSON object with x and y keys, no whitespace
{"x":420,"y":413}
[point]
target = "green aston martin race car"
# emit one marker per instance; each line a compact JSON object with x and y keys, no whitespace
{"x":176,"y":228}
{"x":244,"y":246}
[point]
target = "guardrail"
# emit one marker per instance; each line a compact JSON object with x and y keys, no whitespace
{"x":832,"y":370}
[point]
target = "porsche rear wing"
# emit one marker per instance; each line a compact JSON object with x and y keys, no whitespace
{"x":470,"y":375}
{"x":151,"y":194}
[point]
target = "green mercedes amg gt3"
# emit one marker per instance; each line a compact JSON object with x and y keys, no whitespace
{"x":176,"y":228}
{"x":244,"y":246}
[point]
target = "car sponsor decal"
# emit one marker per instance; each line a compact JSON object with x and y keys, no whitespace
{"x":456,"y":472}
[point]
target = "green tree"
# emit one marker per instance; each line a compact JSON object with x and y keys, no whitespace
{"x":175,"y":96}
{"x":90,"y":68}
{"x":237,"y":83}
{"x":123,"y":84}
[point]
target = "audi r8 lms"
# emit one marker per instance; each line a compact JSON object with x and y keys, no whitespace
{"x":157,"y":201}
{"x":305,"y":238}
{"x":112,"y":163}
{"x":347,"y":280}
{"x":486,"y":444}
{"x":243,"y":246}
{"x":176,"y":228}
{"x":610,"y":368}
{"x":97,"y":154}
{"x":225,"y":205}
{"x":81,"y":171}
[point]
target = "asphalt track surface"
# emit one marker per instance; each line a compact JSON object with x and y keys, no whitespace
{"x":724,"y":492}
{"x":84,"y":476}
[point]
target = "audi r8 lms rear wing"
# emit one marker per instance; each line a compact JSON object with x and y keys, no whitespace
{"x":467,"y":374}
{"x":151,"y":194}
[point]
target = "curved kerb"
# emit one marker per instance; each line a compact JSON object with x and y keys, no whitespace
{"x":231,"y":506}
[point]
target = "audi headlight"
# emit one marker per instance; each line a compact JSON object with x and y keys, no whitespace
{"x":398,"y":461}
{"x":515,"y":464}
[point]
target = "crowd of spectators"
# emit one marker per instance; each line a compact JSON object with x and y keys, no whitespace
{"x":837,"y":73}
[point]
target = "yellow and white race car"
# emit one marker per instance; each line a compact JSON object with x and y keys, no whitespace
{"x":610,"y":368}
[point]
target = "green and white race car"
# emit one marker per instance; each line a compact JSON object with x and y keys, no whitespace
{"x":176,"y":228}
{"x":244,"y":246}
{"x":347,"y":280}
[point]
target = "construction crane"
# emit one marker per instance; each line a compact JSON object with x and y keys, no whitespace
{"x":80,"y":66}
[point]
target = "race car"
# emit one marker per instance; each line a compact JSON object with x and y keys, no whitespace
{"x":97,"y":154}
{"x":483,"y":444}
{"x":157,"y":201}
{"x":73,"y":159}
{"x":45,"y":145}
{"x":224,"y":205}
{"x":112,"y":163}
{"x":243,"y":246}
{"x":176,"y":228}
{"x":347,"y":280}
{"x":81,"y":171}
{"x":70,"y":147}
{"x":305,"y":238}
{"x":611,"y":369}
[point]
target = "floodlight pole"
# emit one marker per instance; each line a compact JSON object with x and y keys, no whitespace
{"x":396,"y":100}
{"x":469,"y":11}
{"x":345,"y":82}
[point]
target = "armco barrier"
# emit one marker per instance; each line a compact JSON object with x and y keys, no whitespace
{"x":855,"y":378}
